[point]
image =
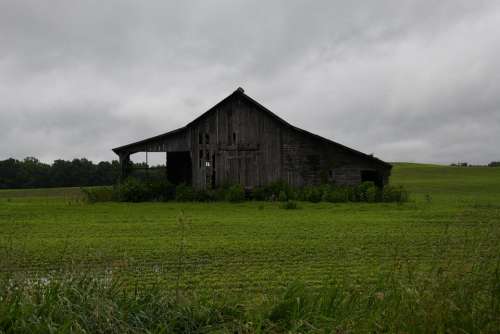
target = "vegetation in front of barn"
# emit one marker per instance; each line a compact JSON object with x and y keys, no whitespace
{"x":136,"y":190}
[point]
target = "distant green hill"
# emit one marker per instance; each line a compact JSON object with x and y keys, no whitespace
{"x":446,"y":182}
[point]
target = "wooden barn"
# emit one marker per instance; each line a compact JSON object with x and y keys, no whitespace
{"x":240,"y":141}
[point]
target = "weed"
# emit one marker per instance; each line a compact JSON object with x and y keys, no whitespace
{"x":428,"y":198}
{"x":184,"y":193}
{"x":235,"y":194}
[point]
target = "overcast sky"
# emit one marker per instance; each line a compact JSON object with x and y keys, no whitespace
{"x":406,"y":80}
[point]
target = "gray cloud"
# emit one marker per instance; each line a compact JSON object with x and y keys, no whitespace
{"x":406,"y":80}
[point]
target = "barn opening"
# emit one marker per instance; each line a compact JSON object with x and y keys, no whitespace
{"x":148,"y":166}
{"x":179,"y":168}
{"x":373,"y":176}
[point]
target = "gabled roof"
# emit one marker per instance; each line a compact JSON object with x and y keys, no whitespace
{"x":176,"y":131}
{"x":241,"y":93}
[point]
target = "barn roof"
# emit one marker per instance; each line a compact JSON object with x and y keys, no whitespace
{"x":241,"y":93}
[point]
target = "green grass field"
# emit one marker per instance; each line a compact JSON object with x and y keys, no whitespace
{"x":256,"y":249}
{"x":256,"y":245}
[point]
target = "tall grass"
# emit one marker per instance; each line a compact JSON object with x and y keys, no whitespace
{"x":400,"y":301}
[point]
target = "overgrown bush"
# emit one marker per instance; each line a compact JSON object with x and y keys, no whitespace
{"x":133,"y":190}
{"x":260,"y":194}
{"x":313,"y":194}
{"x":396,"y":194}
{"x":367,"y":192}
{"x":360,"y":191}
{"x":373,"y":194}
{"x":273,"y":191}
{"x":282,"y":196}
{"x":235,"y":193}
{"x":161,"y":190}
{"x":336,"y":195}
{"x":219,"y":194}
{"x":184,"y":193}
{"x":204,"y":195}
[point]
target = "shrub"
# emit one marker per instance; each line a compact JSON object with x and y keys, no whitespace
{"x":361,"y":191}
{"x":351,"y":194}
{"x":280,"y":186}
{"x":372,"y":194}
{"x":204,"y":195}
{"x":313,"y":194}
{"x":289,"y":205}
{"x":235,"y":193}
{"x":273,"y":191}
{"x":395,"y":194}
{"x":282,"y":196}
{"x":161,"y":190}
{"x":99,"y":194}
{"x":133,"y":190}
{"x":259,"y":194}
{"x":336,"y":195}
{"x":184,"y":193}
{"x":219,"y":194}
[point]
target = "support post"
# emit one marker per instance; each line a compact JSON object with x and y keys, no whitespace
{"x":166,"y":165}
{"x":125,"y":166}
{"x":147,"y":167}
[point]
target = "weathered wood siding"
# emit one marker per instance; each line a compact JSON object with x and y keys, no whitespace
{"x":176,"y":142}
{"x":243,"y":144}
{"x":308,"y":160}
{"x":252,"y":148}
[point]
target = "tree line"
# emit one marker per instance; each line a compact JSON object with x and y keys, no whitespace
{"x":466,"y":164}
{"x":32,"y":173}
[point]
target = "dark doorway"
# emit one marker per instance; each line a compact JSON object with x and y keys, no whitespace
{"x":179,"y":168}
{"x":373,"y":176}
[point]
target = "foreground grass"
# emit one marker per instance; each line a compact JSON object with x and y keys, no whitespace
{"x":430,"y":264}
{"x":437,"y":301}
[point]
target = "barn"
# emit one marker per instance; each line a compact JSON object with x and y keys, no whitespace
{"x":240,"y":141}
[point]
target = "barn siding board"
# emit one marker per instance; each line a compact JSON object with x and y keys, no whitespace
{"x":250,"y":145}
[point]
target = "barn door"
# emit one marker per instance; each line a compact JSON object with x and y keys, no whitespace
{"x":233,"y":170}
{"x":242,"y":168}
{"x":251,"y":172}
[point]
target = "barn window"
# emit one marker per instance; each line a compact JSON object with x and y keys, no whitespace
{"x":200,"y":139}
{"x":207,"y":163}
{"x":234,"y":137}
{"x":207,"y":138}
